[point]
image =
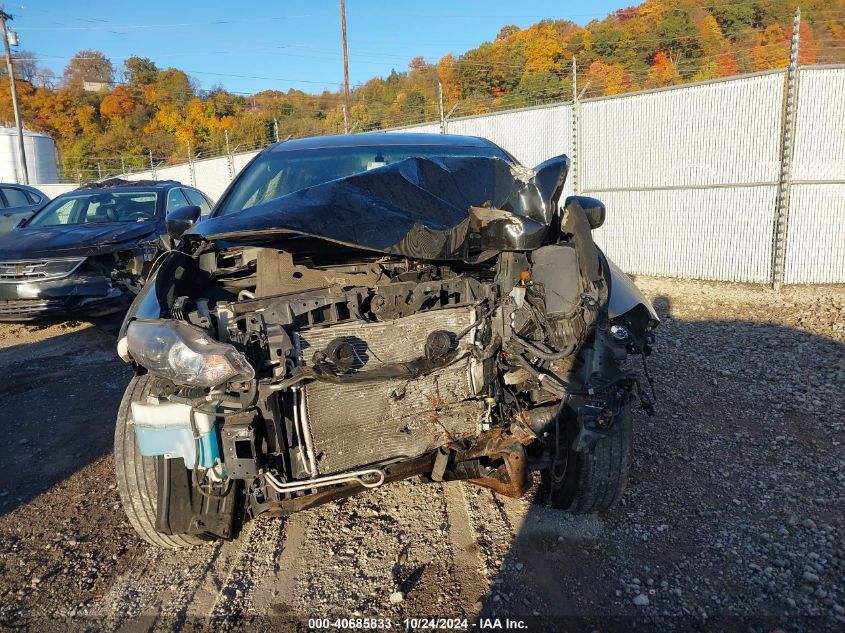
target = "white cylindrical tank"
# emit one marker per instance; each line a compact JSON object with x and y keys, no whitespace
{"x":40,"y":157}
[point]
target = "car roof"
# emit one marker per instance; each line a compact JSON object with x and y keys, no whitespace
{"x":381,"y":139}
{"x":20,"y":186}
{"x":115,"y":184}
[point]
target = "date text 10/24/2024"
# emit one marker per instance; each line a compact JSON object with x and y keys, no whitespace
{"x":417,"y":624}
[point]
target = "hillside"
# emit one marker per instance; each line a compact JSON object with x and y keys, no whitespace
{"x":141,"y":109}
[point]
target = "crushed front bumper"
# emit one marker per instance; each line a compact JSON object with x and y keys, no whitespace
{"x":76,"y":294}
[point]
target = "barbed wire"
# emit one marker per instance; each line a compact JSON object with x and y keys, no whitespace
{"x":825,"y":50}
{"x":99,"y":167}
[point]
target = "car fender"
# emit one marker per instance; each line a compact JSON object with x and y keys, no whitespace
{"x":625,"y":296}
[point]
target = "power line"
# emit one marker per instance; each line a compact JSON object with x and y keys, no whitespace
{"x":110,"y":26}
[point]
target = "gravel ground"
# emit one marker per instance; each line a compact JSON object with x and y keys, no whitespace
{"x":733,"y":518}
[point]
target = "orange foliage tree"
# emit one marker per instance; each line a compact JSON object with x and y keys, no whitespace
{"x":663,"y":72}
{"x":772,"y":50}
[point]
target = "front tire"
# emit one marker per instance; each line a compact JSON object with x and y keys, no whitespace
{"x":137,"y":479}
{"x":590,"y":481}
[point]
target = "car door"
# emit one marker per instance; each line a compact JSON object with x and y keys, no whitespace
{"x":17,"y":205}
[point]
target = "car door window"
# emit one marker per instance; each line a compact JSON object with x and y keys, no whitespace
{"x":195,"y":197}
{"x":15,"y":197}
{"x":61,"y":212}
{"x":34,"y":198}
{"x":176,"y":200}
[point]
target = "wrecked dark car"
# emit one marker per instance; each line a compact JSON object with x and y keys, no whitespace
{"x":89,"y":251}
{"x":363,"y":309}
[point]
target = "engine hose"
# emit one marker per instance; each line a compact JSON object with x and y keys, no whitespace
{"x":489,"y":351}
{"x":542,"y":355}
{"x":481,"y":319}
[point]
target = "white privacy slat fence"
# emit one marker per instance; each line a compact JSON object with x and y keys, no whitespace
{"x":714,"y":233}
{"x":691,"y":175}
{"x":707,"y":134}
{"x":815,"y":244}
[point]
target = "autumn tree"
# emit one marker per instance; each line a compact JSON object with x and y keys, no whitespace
{"x":506,"y":32}
{"x":717,"y":59}
{"x":607,"y":79}
{"x":452,"y":89}
{"x":88,"y":66}
{"x":117,"y":104}
{"x":170,"y":88}
{"x":772,"y":50}
{"x":544,"y":51}
{"x":658,"y":43}
{"x":663,"y":72}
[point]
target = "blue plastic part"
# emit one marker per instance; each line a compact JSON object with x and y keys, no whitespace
{"x":178,"y":441}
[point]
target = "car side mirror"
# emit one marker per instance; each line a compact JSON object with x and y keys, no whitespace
{"x":180,"y":220}
{"x":593,"y":209}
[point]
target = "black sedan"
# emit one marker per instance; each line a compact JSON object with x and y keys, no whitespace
{"x":89,"y":250}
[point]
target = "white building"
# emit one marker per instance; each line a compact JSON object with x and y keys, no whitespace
{"x":40,"y":157}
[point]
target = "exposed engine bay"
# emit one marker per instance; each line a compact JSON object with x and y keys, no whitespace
{"x":334,"y":369}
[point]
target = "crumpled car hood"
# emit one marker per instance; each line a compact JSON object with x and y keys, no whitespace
{"x":63,"y":241}
{"x":442,"y":208}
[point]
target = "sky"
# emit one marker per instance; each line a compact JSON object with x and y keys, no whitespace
{"x":258,"y":45}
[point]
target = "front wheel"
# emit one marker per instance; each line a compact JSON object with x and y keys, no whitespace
{"x":137,"y":476}
{"x":585,"y":482}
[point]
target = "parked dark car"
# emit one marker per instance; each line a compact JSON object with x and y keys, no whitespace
{"x":17,"y":203}
{"x":89,"y":251}
{"x":363,"y":309}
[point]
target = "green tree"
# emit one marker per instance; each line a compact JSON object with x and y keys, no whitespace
{"x":139,"y":71}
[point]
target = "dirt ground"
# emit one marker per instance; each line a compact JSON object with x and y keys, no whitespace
{"x":734,"y":517}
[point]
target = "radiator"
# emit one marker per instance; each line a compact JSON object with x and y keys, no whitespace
{"x":359,"y":424}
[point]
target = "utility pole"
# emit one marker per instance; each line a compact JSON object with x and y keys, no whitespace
{"x":3,"y":17}
{"x":276,"y":129}
{"x":440,"y":104}
{"x":345,"y":68}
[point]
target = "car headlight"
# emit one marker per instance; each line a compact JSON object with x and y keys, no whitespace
{"x":185,"y":353}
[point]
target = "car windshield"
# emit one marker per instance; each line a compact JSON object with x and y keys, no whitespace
{"x":277,"y":173}
{"x":98,"y":207}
